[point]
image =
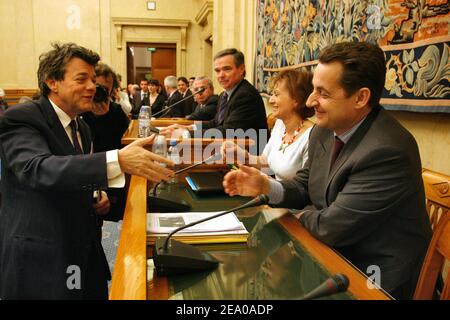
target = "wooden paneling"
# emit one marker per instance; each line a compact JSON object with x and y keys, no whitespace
{"x":129,"y":281}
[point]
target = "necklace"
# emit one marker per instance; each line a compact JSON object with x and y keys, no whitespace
{"x":287,"y":142}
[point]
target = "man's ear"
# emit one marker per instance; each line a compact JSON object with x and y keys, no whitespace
{"x":242,"y":69}
{"x":362,"y":97}
{"x":52,"y":85}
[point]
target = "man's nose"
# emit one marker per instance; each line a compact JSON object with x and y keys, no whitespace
{"x":91,"y":85}
{"x":312,"y":100}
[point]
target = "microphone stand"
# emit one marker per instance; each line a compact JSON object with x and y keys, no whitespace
{"x":173,"y":257}
{"x":168,"y":108}
{"x":214,"y":157}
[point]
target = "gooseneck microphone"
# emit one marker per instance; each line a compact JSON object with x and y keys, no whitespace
{"x":335,"y":284}
{"x":173,"y":257}
{"x":214,"y":157}
{"x":168,"y":108}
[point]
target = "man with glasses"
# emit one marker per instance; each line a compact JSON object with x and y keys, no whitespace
{"x":206,"y":107}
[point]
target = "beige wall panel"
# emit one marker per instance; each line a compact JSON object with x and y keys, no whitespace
{"x":17,"y":54}
{"x":432,"y":133}
{"x":66,"y":20}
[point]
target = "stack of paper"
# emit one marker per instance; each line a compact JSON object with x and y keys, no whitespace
{"x":224,"y":229}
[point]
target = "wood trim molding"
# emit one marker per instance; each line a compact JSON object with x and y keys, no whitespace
{"x":119,"y":23}
{"x":205,"y":11}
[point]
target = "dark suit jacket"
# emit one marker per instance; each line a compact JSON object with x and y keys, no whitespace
{"x":207,"y":112}
{"x":138,"y":102}
{"x":371,"y":205}
{"x":47,"y":225}
{"x":107,"y":132}
{"x":176,"y":111}
{"x":245,"y":110}
{"x":189,"y":104}
{"x":159,"y":103}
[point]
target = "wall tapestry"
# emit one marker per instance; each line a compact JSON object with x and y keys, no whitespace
{"x":414,"y":34}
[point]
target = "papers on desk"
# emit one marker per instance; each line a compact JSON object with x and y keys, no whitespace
{"x":224,"y":229}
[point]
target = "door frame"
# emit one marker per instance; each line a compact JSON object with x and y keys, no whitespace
{"x":142,"y":30}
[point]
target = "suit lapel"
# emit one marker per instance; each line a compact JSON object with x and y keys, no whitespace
{"x":230,"y":100}
{"x":348,"y":148}
{"x":55,"y":125}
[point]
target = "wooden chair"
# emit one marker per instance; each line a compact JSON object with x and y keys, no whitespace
{"x":271,"y":121}
{"x":438,"y":252}
{"x":437,"y":193}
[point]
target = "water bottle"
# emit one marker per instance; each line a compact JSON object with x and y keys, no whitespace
{"x":174,"y":154}
{"x":160,"y":147}
{"x":144,"y":122}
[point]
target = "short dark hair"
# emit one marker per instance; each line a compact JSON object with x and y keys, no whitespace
{"x":364,"y":66}
{"x":238,"y":56}
{"x":103,"y":70}
{"x":184,"y":79}
{"x":52,"y":64}
{"x":299,"y":86}
{"x":144,"y":79}
{"x":154,"y":82}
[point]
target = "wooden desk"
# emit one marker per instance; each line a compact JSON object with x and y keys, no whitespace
{"x":129,"y":279}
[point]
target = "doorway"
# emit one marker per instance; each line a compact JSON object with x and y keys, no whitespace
{"x":151,"y":61}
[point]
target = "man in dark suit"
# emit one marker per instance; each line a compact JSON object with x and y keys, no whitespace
{"x":240,"y":105}
{"x":206,"y":107}
{"x":141,"y":98}
{"x":49,"y":246}
{"x":183,"y":88}
{"x":363,"y":175}
{"x":173,"y":96}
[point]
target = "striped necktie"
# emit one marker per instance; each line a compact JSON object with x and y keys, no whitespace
{"x":73,"y":131}
{"x":222,"y":106}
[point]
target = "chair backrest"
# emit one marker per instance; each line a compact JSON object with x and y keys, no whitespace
{"x":437,"y":254}
{"x":437,"y":193}
{"x":271,"y":121}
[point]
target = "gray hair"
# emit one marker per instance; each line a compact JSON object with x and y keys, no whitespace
{"x":170,"y":81}
{"x":210,"y":83}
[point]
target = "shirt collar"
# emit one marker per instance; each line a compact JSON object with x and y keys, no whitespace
{"x":62,"y":116}
{"x":230,"y":92}
{"x":344,"y":137}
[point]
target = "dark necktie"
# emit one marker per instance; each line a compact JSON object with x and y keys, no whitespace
{"x":73,"y":131}
{"x":338,"y":144}
{"x":222,"y":107}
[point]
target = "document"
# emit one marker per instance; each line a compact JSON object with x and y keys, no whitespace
{"x":167,"y":222}
{"x":223,"y":229}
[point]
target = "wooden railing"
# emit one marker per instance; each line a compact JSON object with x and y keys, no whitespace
{"x":12,"y":96}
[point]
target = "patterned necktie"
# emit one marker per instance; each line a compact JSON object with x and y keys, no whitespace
{"x":222,"y":106}
{"x":338,"y":144}
{"x":73,"y":131}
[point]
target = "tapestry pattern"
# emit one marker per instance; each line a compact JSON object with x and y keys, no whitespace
{"x":414,"y":34}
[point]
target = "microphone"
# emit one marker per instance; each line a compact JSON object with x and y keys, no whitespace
{"x":172,"y":257}
{"x":335,"y":284}
{"x":164,"y":111}
{"x":214,"y":157}
{"x":171,"y":205}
